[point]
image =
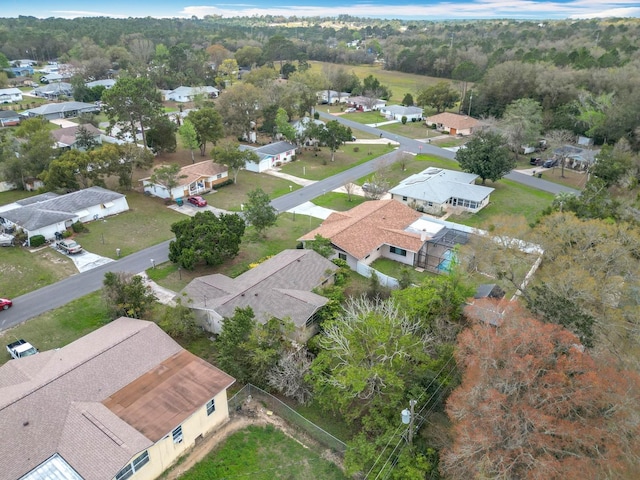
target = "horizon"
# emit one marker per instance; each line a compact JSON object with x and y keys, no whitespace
{"x":437,"y":10}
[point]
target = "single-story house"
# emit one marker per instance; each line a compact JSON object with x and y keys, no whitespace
{"x":67,"y":137}
{"x":270,"y":155}
{"x":51,"y":111}
{"x":187,"y":94}
{"x":125,"y":401}
{"x":332,"y":97}
{"x":454,"y":123}
{"x":54,"y":90}
{"x":9,"y":118}
{"x":23,"y":62}
{"x":396,"y":112}
{"x":48,"y":213}
{"x":9,"y":95}
{"x":436,"y":189}
{"x":300,"y":126}
{"x":390,"y":229}
{"x":107,"y":83}
{"x":576,"y":158}
{"x":280,"y":287}
{"x":55,"y":77}
{"x":21,"y":71}
{"x":193,"y":180}
{"x":366,"y":104}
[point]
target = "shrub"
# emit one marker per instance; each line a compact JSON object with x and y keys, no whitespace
{"x":67,"y":234}
{"x":316,"y":115}
{"x":79,"y":227}
{"x":356,"y":149}
{"x":404,"y":120}
{"x":36,"y":241}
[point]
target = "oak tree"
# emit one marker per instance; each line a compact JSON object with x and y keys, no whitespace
{"x":487,"y":156}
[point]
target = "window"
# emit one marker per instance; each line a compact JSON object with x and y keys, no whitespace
{"x":131,"y":468}
{"x":219,"y":176}
{"x":177,"y":434}
{"x":342,"y":256}
{"x":404,"y":199}
{"x":398,"y":251}
{"x":211,"y":406}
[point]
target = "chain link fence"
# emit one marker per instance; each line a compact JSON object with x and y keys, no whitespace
{"x":243,"y":403}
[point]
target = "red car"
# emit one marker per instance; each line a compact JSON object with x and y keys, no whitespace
{"x":5,"y":303}
{"x":197,"y":200}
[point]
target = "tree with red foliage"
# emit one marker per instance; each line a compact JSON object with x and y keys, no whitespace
{"x":534,"y":405}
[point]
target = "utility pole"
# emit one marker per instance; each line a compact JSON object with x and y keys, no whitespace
{"x":408,"y":417}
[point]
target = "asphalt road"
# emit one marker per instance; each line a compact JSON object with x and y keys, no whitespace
{"x":52,"y":296}
{"x":60,"y":293}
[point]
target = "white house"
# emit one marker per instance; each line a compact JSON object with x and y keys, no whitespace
{"x":187,"y":94}
{"x":106,"y":83}
{"x":51,"y":111}
{"x":366,"y":104}
{"x":270,"y":156}
{"x":454,"y":123}
{"x":9,"y":95}
{"x":49,"y":213}
{"x":436,"y":189}
{"x":192,"y":180}
{"x":125,"y":401}
{"x":396,"y":112}
{"x":332,"y":97}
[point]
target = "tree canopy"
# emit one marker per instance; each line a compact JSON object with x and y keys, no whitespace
{"x":487,"y":156}
{"x":258,"y":211}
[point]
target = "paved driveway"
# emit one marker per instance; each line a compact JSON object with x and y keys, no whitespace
{"x":85,"y":261}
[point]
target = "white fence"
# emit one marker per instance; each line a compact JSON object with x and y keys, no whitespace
{"x":385,"y":280}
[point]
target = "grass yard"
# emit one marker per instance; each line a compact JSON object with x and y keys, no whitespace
{"x":14,"y":195}
{"x":416,"y":130}
{"x":400,"y":83}
{"x":317,"y":165}
{"x":147,"y":223}
{"x":59,"y":327}
{"x":263,"y":453}
{"x":338,"y":201}
{"x":230,"y":197}
{"x":394,"y":173}
{"x":22,"y":271}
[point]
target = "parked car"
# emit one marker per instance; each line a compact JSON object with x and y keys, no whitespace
{"x":350,"y":110}
{"x":537,"y":161}
{"x":5,"y":303}
{"x":20,"y":349}
{"x":197,"y":200}
{"x":552,"y":162}
{"x":69,"y":246}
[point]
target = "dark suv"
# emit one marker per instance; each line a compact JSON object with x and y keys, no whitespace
{"x":536,"y":161}
{"x":550,"y":163}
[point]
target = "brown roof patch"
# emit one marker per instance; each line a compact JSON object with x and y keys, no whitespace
{"x":364,"y":228}
{"x":453,"y":120}
{"x":69,"y":135}
{"x":200,"y":170}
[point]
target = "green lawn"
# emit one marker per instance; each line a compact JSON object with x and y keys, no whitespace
{"x":59,"y":327}
{"x":22,"y":271}
{"x":317,"y":165}
{"x":147,"y":223}
{"x":338,"y":201}
{"x":263,"y":453}
{"x":14,"y":195}
{"x":410,"y":130}
{"x":230,"y":197}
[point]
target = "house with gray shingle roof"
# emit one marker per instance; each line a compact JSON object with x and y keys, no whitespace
{"x":280,"y":287}
{"x":270,"y":155}
{"x":125,"y":399}
{"x":51,"y":111}
{"x":187,"y":94}
{"x":46,"y":214}
{"x":9,"y":118}
{"x":54,"y":90}
{"x":9,"y":95}
{"x":435,"y":190}
{"x":396,"y":112}
{"x":106,"y":83}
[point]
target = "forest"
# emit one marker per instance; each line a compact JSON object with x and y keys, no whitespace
{"x":548,"y":388}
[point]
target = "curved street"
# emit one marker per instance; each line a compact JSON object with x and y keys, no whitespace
{"x":52,"y":296}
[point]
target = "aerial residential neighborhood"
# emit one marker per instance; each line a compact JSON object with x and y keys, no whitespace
{"x":332,"y":246}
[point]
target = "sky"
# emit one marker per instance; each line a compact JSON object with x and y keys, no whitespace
{"x":401,"y":9}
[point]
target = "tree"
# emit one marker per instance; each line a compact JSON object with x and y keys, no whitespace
{"x":161,"y":136}
{"x":487,"y":156}
{"x":283,"y":126}
{"x":321,"y":246}
{"x":85,"y":140}
{"x":179,"y":321}
{"x":132,"y":103}
{"x":278,"y":49}
{"x":168,"y":176}
{"x":407,"y":100}
{"x":230,"y":343}
{"x":127,"y":158}
{"x":126,"y":295}
{"x":36,"y":150}
{"x":239,"y":108}
{"x":439,"y":96}
{"x":208,"y":125}
{"x":189,"y":137}
{"x":534,"y":404}
{"x":230,"y":155}
{"x":289,"y":376}
{"x":206,"y":238}
{"x":258,"y":211}
{"x":371,"y":87}
{"x":228,"y":68}
{"x":248,"y":55}
{"x":522,"y":123}
{"x":334,"y":134}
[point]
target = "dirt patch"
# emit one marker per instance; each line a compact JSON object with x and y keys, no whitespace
{"x":252,"y":414}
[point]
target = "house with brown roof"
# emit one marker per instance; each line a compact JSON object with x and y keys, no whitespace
{"x":193,"y":179}
{"x":121,"y":401}
{"x":280,"y":287}
{"x":454,"y":123}
{"x":66,"y":138}
{"x":390,"y":229}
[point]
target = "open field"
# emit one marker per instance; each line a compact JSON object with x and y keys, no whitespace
{"x":400,"y":83}
{"x":263,"y":453}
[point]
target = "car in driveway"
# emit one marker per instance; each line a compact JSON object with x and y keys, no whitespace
{"x":5,"y":303}
{"x":69,"y":246}
{"x":552,"y":162}
{"x":197,"y":200}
